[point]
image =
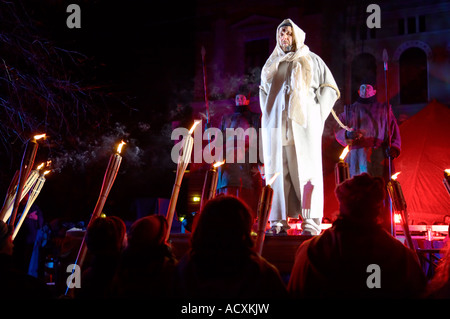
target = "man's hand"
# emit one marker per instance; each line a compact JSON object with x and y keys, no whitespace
{"x":393,"y":152}
{"x":352,"y":137}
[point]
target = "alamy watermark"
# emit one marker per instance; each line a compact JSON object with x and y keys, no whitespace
{"x":235,"y":145}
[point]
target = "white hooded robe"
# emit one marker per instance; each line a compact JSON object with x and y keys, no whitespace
{"x":306,"y":114}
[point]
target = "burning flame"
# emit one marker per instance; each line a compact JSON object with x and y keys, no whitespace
{"x":119,"y":148}
{"x":193,"y":126}
{"x":394,"y":177}
{"x":46,"y":172}
{"x":397,"y":218}
{"x":40,"y":166}
{"x":274,"y":177}
{"x":447,"y":171}
{"x":218,"y":164}
{"x":344,"y":153}
{"x":38,"y":137}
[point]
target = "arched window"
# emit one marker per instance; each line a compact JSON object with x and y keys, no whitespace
{"x":364,"y":66}
{"x":413,"y":76}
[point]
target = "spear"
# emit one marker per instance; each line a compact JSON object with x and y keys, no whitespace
{"x":205,"y":88}
{"x":388,"y":128}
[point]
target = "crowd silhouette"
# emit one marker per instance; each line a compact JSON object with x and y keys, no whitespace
{"x":221,"y":262}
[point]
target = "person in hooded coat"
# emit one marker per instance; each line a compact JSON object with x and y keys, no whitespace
{"x":221,"y":262}
{"x":370,"y":144}
{"x":241,"y":177}
{"x":297,"y":93}
{"x":356,"y":257}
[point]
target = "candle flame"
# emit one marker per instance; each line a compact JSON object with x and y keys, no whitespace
{"x":40,"y":166}
{"x":46,"y":172}
{"x":38,"y":137}
{"x":394,"y":177}
{"x":397,"y":218}
{"x":217,"y":164}
{"x":274,"y":177}
{"x":344,"y":153}
{"x":119,"y":148}
{"x":193,"y":126}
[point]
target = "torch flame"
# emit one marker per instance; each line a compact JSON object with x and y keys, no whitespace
{"x":344,"y":153}
{"x":193,"y":126}
{"x":394,"y":177}
{"x":38,"y":137}
{"x":274,"y":177}
{"x":218,"y":164}
{"x":119,"y":148}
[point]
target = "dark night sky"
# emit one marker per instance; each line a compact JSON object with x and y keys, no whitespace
{"x":142,"y":53}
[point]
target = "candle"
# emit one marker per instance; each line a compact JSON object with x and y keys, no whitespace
{"x":183,"y":160}
{"x":210,"y":183}
{"x":342,"y":169}
{"x":34,"y":193}
{"x":25,"y":168}
{"x":264,"y":207}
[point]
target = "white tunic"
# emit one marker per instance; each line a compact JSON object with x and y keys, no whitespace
{"x":307,"y":136}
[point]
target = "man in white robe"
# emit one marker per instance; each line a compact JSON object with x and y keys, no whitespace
{"x":297,"y":93}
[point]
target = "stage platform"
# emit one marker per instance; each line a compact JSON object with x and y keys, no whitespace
{"x":278,"y":250}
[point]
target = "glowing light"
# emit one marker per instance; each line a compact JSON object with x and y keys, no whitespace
{"x":218,"y":164}
{"x":196,"y":198}
{"x":40,"y":166}
{"x":181,"y":219}
{"x":38,"y":137}
{"x":46,"y":172}
{"x":193,"y":126}
{"x":344,"y":153}
{"x":394,"y":177}
{"x":447,"y":171}
{"x":270,"y":182}
{"x":119,"y":148}
{"x":397,"y":218}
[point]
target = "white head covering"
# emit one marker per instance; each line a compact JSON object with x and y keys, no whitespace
{"x":301,"y":72}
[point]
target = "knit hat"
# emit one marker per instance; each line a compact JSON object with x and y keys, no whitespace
{"x":360,"y":197}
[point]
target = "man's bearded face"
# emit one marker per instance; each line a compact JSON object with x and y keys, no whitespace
{"x":285,"y":38}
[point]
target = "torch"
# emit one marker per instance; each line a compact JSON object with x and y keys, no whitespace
{"x":399,"y":205}
{"x":447,"y":179}
{"x":264,"y":207}
{"x":183,"y":160}
{"x":108,"y":180}
{"x":341,"y":170}
{"x":25,"y":168}
{"x":8,"y":207}
{"x":210,"y":183}
{"x":34,"y":192}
